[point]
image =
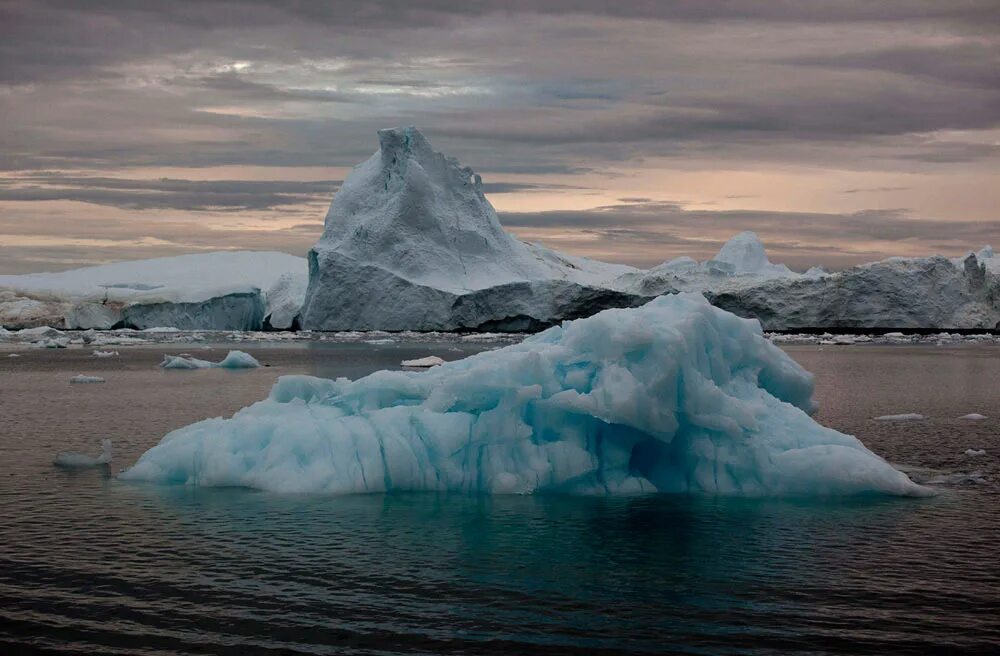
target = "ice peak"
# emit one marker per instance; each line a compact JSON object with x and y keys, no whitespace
{"x":745,"y":252}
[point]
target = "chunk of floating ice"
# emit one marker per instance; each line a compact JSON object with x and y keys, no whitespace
{"x":105,"y":354}
{"x":972,"y":453}
{"x":675,"y":396}
{"x":909,"y":416}
{"x":80,"y":378}
{"x":975,"y":416}
{"x":429,"y":361}
{"x":13,"y":355}
{"x":233,"y":360}
{"x":74,"y":459}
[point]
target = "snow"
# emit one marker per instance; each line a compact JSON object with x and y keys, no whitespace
{"x":973,"y":453}
{"x":105,"y":354}
{"x":74,"y":459}
{"x":80,"y":379}
{"x":106,"y":295}
{"x":429,"y":361}
{"x":233,"y":360}
{"x":675,"y":396}
{"x":975,"y":416}
{"x":908,"y":416}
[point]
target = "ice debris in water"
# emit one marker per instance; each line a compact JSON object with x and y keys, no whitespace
{"x":80,"y":378}
{"x":675,"y":396}
{"x":74,"y":459}
{"x":975,"y":416}
{"x":972,"y":453}
{"x":908,"y":416}
{"x":429,"y":361}
{"x":105,"y":354}
{"x":233,"y":360}
{"x":13,"y":355}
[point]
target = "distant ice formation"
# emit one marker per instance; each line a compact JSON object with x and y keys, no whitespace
{"x":975,"y":416}
{"x":76,"y":460}
{"x":429,"y":361}
{"x":81,"y":379}
{"x":973,"y":453}
{"x":675,"y":397}
{"x":907,"y":416}
{"x":411,"y":243}
{"x":105,"y":354}
{"x":233,"y":360}
{"x":226,"y":290}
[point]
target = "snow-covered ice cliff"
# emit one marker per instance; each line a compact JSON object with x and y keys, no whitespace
{"x":676,"y":396}
{"x":226,"y":290}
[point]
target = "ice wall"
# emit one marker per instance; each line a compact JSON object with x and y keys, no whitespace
{"x":676,"y":396}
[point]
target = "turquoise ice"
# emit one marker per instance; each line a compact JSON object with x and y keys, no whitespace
{"x":673,"y":397}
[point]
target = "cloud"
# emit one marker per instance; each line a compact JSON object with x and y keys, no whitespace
{"x":189,"y":195}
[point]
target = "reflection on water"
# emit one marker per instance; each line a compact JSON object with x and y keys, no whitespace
{"x":89,"y":564}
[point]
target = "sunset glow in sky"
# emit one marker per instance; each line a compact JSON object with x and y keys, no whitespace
{"x":841,"y":132}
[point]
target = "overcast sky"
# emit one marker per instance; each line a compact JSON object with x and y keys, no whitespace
{"x":632,"y":131}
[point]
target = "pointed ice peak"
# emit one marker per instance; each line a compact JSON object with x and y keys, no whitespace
{"x":986,"y":253}
{"x":745,"y":252}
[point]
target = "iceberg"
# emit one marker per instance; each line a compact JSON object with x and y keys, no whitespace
{"x":77,"y":460}
{"x":907,"y":416}
{"x":411,"y":243}
{"x":675,"y":396}
{"x":225,"y":290}
{"x":429,"y":361}
{"x":233,"y":360}
{"x":80,"y":379}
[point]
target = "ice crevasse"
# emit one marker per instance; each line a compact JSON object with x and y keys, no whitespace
{"x":673,"y":397}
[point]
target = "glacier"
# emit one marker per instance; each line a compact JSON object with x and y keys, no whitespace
{"x":224,"y":290}
{"x":675,"y":396}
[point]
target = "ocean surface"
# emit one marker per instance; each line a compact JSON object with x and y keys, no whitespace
{"x":95,"y":566}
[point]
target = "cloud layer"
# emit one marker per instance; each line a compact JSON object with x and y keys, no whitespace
{"x":721,"y":114}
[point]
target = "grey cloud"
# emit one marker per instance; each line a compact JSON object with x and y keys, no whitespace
{"x":229,"y":195}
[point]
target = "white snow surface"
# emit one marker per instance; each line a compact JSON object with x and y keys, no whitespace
{"x":75,"y":459}
{"x":675,"y":396}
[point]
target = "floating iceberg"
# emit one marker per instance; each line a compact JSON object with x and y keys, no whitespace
{"x":226,"y":290}
{"x":76,"y":460}
{"x":675,"y":397}
{"x":429,"y":361}
{"x":975,"y":416}
{"x":233,"y":360}
{"x":105,"y":354}
{"x":80,"y":379}
{"x":974,"y":453}
{"x":907,"y":416}
{"x":411,"y":243}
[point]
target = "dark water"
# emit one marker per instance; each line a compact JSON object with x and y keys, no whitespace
{"x":90,"y":565}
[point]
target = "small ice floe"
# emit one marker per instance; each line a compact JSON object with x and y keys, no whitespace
{"x":429,"y":361}
{"x":929,"y":476}
{"x":975,"y":453}
{"x":105,"y":354}
{"x":52,"y":342}
{"x":80,"y":379}
{"x":13,"y":355}
{"x":377,"y":342}
{"x":975,"y":416}
{"x":233,"y":360}
{"x":76,"y":460}
{"x":909,"y":416}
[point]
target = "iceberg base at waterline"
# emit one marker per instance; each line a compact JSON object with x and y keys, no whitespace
{"x":675,"y":396}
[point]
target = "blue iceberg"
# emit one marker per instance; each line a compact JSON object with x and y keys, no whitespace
{"x":673,"y":397}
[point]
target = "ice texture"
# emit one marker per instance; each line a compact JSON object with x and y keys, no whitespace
{"x":906,"y":416}
{"x":411,"y":243}
{"x":974,"y":416}
{"x":75,"y":459}
{"x":225,"y":290}
{"x":674,"y":397}
{"x":974,"y":453}
{"x":233,"y":360}
{"x":429,"y":361}
{"x":81,"y":379}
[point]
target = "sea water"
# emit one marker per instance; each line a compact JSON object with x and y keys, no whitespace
{"x":90,"y":564}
